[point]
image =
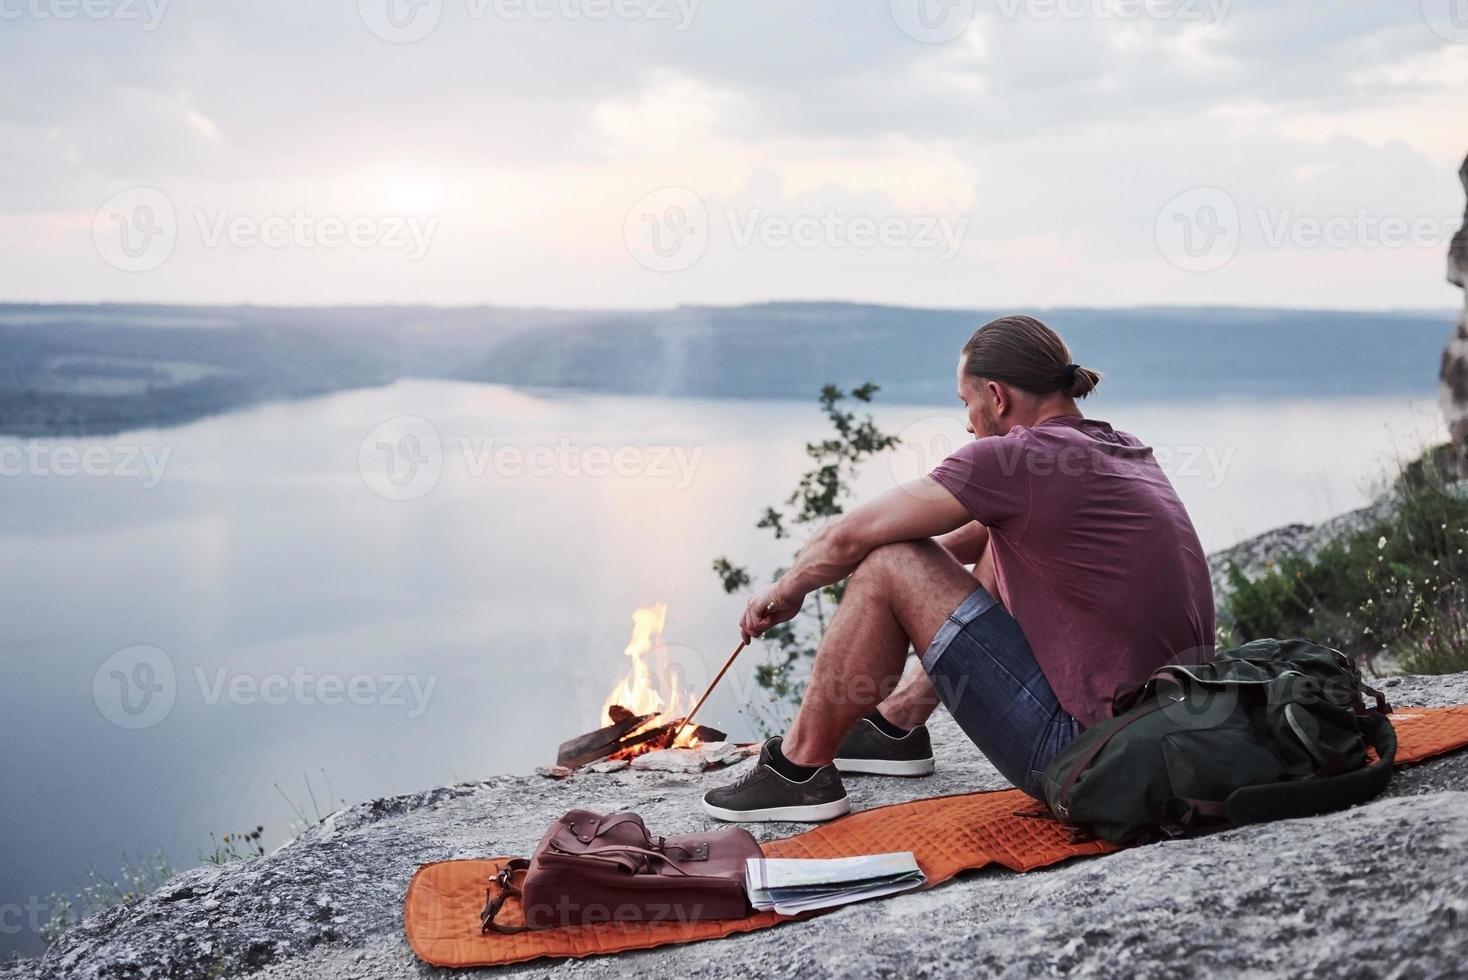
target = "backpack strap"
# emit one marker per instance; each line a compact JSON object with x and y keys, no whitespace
{"x":1062,"y":801}
{"x":1311,"y":797}
{"x":494,"y":902}
{"x":1382,"y":705}
{"x":621,"y":854}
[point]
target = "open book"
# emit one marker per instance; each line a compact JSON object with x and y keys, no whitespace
{"x":791,"y":885}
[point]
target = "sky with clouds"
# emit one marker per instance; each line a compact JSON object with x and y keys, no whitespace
{"x":646,"y":153}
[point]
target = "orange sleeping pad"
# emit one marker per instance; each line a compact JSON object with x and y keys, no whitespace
{"x":948,"y":834}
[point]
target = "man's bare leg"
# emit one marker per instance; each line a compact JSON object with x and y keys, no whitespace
{"x":914,"y":701}
{"x":898,"y":597}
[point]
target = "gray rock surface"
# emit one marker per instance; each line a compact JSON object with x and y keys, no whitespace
{"x":1458,"y":250}
{"x":1453,"y":376}
{"x":1253,"y":555}
{"x":1375,"y":891}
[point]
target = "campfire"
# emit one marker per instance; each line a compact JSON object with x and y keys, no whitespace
{"x":645,"y":708}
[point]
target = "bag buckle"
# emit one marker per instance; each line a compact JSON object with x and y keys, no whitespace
{"x":494,"y":902}
{"x":1036,"y":812}
{"x":691,"y":852}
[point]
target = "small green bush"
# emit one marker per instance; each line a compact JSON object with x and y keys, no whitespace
{"x":136,"y":878}
{"x":1387,"y":587}
{"x":1442,"y":648}
{"x":241,"y":846}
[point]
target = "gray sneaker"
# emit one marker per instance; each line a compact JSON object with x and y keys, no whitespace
{"x":866,"y":748}
{"x":763,"y":795}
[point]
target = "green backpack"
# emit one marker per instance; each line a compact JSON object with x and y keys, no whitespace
{"x":1269,"y":730}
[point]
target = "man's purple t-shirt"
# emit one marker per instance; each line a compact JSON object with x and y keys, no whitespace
{"x":1095,"y":556}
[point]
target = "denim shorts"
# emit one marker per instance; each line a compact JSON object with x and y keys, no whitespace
{"x":986,"y":676}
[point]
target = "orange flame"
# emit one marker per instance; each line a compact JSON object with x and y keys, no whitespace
{"x":647,"y":687}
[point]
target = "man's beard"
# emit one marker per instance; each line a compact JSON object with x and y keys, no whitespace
{"x":988,"y":421}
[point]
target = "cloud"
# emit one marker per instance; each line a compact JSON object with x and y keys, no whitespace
{"x":1056,"y":137}
{"x":202,"y":124}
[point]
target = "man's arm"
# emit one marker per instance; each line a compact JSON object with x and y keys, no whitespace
{"x":968,"y":543}
{"x":920,"y":509}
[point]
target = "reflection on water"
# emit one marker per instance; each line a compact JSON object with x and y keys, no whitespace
{"x":447,"y":595}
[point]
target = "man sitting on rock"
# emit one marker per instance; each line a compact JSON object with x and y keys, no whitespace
{"x":1089,"y":577}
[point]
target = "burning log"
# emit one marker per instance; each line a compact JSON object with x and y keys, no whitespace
{"x":628,"y":735}
{"x":645,"y":708}
{"x":661,"y":737}
{"x":601,"y":743}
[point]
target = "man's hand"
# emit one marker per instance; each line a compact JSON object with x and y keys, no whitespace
{"x":916,"y":510}
{"x":767,"y":608}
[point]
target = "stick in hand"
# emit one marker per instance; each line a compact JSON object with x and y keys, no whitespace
{"x":720,"y":676}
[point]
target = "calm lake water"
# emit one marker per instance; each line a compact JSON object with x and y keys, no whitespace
{"x":298,"y":589}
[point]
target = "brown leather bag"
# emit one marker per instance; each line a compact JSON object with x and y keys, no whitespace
{"x":594,"y":868}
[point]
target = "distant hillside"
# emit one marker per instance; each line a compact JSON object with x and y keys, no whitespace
{"x":98,"y":369}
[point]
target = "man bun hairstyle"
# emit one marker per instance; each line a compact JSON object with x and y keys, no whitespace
{"x":1023,"y":352}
